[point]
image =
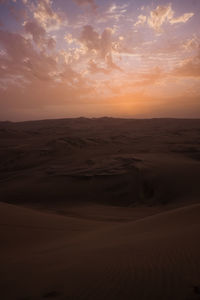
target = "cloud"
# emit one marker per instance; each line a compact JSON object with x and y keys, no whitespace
{"x":87,"y":2}
{"x":41,"y":69}
{"x":12,"y":81}
{"x":141,"y":20}
{"x":138,"y":80}
{"x":22,"y":62}
{"x":22,"y":59}
{"x":189,"y":68}
{"x":39,"y":34}
{"x":15,"y":46}
{"x":162,"y":14}
{"x":46,"y":16}
{"x":117,"y":10}
{"x":31,"y":78}
{"x":159,"y":16}
{"x":192,"y":43}
{"x":94,"y":68}
{"x":106,"y":42}
{"x":12,"y":1}
{"x":99,"y":45}
{"x":182,"y":19}
{"x":153,"y":76}
{"x":111,"y":64}
{"x":113,"y":13}
{"x":90,"y":38}
{"x":69,"y":38}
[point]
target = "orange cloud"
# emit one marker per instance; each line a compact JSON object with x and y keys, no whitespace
{"x":189,"y":68}
{"x":46,"y":16}
{"x":162,"y":15}
{"x":182,"y":19}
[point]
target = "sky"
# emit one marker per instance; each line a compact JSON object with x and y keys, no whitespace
{"x":94,"y":58}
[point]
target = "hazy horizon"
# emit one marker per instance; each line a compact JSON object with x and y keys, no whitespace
{"x":92,"y":58}
{"x":95,"y":118}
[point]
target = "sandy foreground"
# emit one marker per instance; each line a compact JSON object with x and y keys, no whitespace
{"x":100,"y":209}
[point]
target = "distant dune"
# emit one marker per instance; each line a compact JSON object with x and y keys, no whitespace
{"x":100,"y":209}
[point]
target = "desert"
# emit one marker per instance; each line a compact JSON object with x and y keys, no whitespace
{"x":99,"y":150}
{"x":100,"y":208}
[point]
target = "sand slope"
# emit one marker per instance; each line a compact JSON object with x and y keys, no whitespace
{"x":111,"y":161}
{"x":100,"y":209}
{"x":155,"y":257}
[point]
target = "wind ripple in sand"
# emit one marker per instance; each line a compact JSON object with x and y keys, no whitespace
{"x":162,"y":263}
{"x":153,"y":258}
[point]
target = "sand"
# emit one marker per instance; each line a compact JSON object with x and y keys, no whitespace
{"x":100,"y":209}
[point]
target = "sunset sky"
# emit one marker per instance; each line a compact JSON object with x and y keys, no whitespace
{"x":93,"y":58}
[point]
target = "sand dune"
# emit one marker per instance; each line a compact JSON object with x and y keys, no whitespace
{"x":100,"y":209}
{"x":155,"y":257}
{"x":133,"y":160}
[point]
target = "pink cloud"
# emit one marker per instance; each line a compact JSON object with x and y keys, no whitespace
{"x":87,"y":2}
{"x":100,"y":45}
{"x":39,"y":34}
{"x":189,"y":68}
